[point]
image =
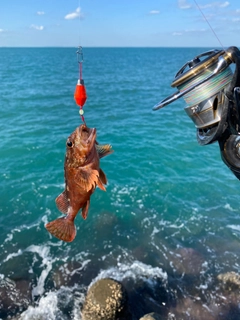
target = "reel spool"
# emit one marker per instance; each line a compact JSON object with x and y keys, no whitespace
{"x":200,"y":82}
{"x":212,"y":94}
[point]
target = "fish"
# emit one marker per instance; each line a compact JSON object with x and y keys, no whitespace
{"x":82,"y":175}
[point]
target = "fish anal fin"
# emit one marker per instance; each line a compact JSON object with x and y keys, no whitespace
{"x":62,"y":202}
{"x":87,"y":178}
{"x":103,"y":150}
{"x":102,"y":176}
{"x":62,"y":228}
{"x":85,"y":209}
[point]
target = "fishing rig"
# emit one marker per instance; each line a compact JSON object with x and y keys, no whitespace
{"x":210,"y":86}
{"x":80,"y":94}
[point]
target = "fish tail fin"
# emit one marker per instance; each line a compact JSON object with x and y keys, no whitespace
{"x":62,"y":228}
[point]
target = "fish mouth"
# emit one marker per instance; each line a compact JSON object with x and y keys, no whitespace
{"x":88,"y":135}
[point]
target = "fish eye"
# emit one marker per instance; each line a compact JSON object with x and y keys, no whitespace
{"x":69,"y":143}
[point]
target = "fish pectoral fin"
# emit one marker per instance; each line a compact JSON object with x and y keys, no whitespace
{"x":102,"y":180}
{"x":100,"y":185}
{"x":103,"y":150}
{"x":62,"y":202}
{"x":102,"y":176}
{"x":85,"y":209}
{"x":87,"y":178}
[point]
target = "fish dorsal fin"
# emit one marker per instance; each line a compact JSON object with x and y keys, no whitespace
{"x":87,"y":178}
{"x":85,"y":209}
{"x":62,"y":202}
{"x":103,"y":150}
{"x":102,"y":176}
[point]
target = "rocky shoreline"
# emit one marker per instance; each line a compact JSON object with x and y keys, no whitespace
{"x":108,"y":299}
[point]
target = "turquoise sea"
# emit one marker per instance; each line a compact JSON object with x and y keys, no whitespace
{"x":167,"y":225}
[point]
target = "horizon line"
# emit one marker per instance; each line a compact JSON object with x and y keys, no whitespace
{"x":110,"y":47}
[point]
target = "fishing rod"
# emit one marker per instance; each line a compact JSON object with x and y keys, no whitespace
{"x":211,"y":91}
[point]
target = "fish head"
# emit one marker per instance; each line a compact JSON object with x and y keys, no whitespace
{"x":80,"y":145}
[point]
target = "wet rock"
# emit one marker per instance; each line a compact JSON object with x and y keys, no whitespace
{"x":106,"y":300}
{"x":189,"y":309}
{"x":106,"y":219}
{"x":152,"y":316}
{"x":67,"y":274}
{"x":145,"y":254}
{"x":72,"y":272}
{"x":230,"y":280}
{"x":104,"y":225}
{"x":17,"y":267}
{"x":187,"y":261}
{"x":15,"y":296}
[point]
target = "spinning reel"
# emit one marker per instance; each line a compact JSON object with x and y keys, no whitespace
{"x":212,"y":93}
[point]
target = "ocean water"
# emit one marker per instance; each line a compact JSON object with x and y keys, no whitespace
{"x":168,"y":223}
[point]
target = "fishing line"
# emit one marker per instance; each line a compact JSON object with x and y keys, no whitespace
{"x":208,"y":88}
{"x":211,"y":86}
{"x":80,"y":94}
{"x":79,"y":24}
{"x":205,"y":18}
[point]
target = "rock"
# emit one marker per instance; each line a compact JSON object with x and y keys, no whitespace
{"x":152,"y":316}
{"x":194,"y":309}
{"x":15,"y":296}
{"x":67,"y":274}
{"x":17,"y":267}
{"x":106,"y":300}
{"x":71,"y":272}
{"x":187,"y":261}
{"x":230,"y":280}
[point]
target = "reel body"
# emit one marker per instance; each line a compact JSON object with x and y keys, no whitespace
{"x":211,"y":91}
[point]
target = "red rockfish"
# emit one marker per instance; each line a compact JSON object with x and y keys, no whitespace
{"x":82,"y":175}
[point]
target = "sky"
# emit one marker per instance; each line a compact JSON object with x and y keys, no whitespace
{"x":119,"y":23}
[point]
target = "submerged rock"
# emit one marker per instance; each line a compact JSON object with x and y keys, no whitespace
{"x":152,"y":316}
{"x":230,"y":280}
{"x":187,"y":261}
{"x":106,"y":299}
{"x":15,"y":296}
{"x":192,"y":309}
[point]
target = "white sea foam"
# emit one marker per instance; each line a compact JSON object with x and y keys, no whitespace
{"x":47,"y":262}
{"x":155,"y":231}
{"x":25,"y":227}
{"x":12,"y":255}
{"x":57,"y":185}
{"x":46,"y":309}
{"x":51,"y":305}
{"x":9,"y":237}
{"x":228,"y":207}
{"x":81,"y":256}
{"x":72,"y":272}
{"x":39,"y":289}
{"x":136,"y":270}
{"x":234,"y":227}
